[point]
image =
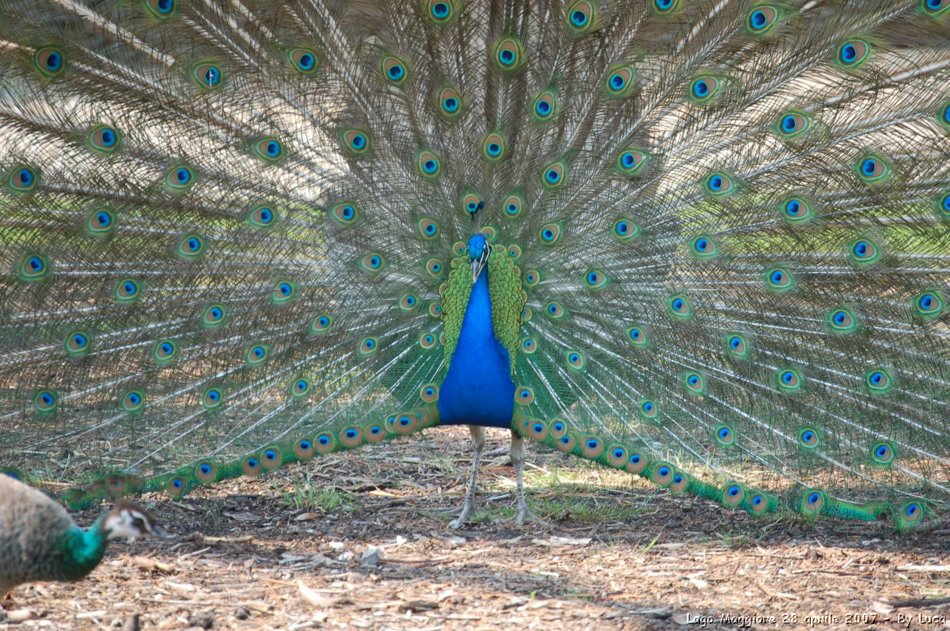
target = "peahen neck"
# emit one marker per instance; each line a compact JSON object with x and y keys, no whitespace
{"x":478,"y":389}
{"x":82,"y":550}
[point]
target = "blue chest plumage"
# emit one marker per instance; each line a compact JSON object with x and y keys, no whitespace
{"x":478,"y":390}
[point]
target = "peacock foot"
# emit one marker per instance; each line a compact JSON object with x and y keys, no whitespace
{"x":524,"y":515}
{"x":467,"y":507}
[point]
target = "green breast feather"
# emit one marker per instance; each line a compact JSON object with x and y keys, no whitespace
{"x":507,"y":301}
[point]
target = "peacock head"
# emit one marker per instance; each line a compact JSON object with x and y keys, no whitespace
{"x":478,"y":251}
{"x":129,"y":521}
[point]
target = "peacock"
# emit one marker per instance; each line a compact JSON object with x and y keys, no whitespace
{"x":705,"y":242}
{"x":40,"y":542}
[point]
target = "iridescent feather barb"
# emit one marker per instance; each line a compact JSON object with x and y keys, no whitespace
{"x":703,"y":242}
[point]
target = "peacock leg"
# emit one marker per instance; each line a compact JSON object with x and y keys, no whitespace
{"x":478,"y":441}
{"x":517,"y":458}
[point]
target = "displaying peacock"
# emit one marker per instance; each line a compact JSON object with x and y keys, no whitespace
{"x":40,"y":542}
{"x":705,"y":242}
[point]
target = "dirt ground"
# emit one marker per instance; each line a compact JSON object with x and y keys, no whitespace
{"x":360,"y":540}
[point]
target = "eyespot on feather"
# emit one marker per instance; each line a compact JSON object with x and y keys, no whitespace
{"x":303,"y":60}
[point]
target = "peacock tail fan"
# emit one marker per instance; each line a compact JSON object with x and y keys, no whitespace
{"x":228,"y":233}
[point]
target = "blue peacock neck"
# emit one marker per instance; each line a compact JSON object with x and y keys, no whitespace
{"x":82,"y":550}
{"x":478,"y":389}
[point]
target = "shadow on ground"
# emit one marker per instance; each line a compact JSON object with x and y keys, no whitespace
{"x":360,"y":540}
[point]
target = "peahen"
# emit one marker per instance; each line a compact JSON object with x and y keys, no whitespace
{"x":705,"y":242}
{"x":40,"y":542}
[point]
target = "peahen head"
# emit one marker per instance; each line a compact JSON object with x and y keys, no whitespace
{"x":128,"y":520}
{"x":478,"y":251}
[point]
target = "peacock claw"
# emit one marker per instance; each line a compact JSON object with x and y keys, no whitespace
{"x":464,"y":514}
{"x":525,"y":515}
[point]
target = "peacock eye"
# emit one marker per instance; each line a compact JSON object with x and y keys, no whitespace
{"x":303,"y":60}
{"x":161,"y":9}
{"x":208,"y":76}
{"x":449,"y":102}
{"x":545,"y":106}
{"x":428,"y":164}
{"x":581,"y":17}
{"x":619,"y":81}
{"x":853,"y":53}
{"x":356,"y":141}
{"x":394,"y":70}
{"x":508,"y":53}
{"x":49,"y":61}
{"x":494,"y":147}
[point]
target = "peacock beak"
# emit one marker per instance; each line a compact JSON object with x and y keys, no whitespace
{"x":479,"y":264}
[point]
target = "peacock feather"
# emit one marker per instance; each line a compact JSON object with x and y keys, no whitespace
{"x":705,"y":242}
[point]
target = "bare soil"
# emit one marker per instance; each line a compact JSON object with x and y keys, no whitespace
{"x":361,"y":540}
